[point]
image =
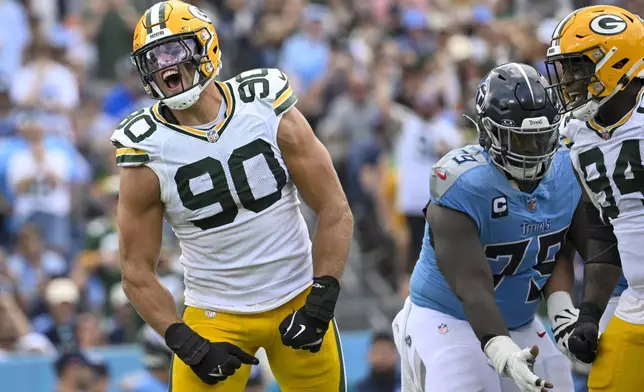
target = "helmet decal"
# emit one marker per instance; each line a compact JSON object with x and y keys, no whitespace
{"x":199,"y":14}
{"x":608,"y":24}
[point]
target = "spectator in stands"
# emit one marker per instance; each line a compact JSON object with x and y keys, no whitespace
{"x":425,"y":136}
{"x":48,"y":85}
{"x":124,"y":324}
{"x":355,"y":114}
{"x":277,"y":19}
{"x":305,"y":71}
{"x":96,"y":268}
{"x":14,"y":36}
{"x":416,"y":43}
{"x":39,"y":179}
{"x":383,"y":373}
{"x":15,"y":328}
{"x":61,"y":321}
{"x":157,"y":361}
{"x":7,"y":121}
{"x":100,"y":373}
{"x":31,"y":267}
{"x":110,"y":24}
{"x":89,"y":332}
{"x":74,"y":373}
{"x":127,"y":95}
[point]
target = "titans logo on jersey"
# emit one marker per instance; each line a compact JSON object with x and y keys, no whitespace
{"x":521,"y":232}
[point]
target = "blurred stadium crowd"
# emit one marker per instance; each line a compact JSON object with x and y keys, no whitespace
{"x":383,"y":82}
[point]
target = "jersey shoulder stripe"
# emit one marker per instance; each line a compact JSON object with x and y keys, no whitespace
{"x":285,"y":98}
{"x":131,"y":157}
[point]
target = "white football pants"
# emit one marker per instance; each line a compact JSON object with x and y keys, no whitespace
{"x":441,"y":353}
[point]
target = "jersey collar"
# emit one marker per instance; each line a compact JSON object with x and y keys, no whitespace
{"x":607,"y":132}
{"x":511,"y":189}
{"x":164,"y":116}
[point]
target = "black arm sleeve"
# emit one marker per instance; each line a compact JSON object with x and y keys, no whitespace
{"x":594,"y":240}
{"x":602,"y":243}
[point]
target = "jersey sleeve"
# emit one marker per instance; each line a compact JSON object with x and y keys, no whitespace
{"x":567,"y":175}
{"x":451,"y":182}
{"x":285,"y":97}
{"x":131,"y":139}
{"x":269,"y":85}
{"x":567,"y":131}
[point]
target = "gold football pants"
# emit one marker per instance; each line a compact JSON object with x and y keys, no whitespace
{"x":618,"y":366}
{"x":294,"y":370}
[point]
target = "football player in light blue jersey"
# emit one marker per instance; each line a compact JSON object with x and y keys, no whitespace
{"x":504,"y":220}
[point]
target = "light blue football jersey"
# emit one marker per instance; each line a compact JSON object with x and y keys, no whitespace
{"x":521,"y":232}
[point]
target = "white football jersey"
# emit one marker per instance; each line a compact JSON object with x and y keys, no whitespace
{"x":228,"y":195}
{"x":608,"y":160}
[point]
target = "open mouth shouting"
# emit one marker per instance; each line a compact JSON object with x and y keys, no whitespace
{"x":575,"y":98}
{"x":171,"y":78}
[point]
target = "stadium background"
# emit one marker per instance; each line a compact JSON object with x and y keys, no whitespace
{"x":383,"y":82}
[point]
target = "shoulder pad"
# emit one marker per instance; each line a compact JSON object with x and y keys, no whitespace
{"x":568,"y":130}
{"x":447,"y":170}
{"x":563,"y":163}
{"x":269,"y":85}
{"x":131,"y":138}
{"x":564,"y":143}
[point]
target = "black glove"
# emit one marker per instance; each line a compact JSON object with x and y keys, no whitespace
{"x":305,"y":328}
{"x":211,"y":362}
{"x":583,"y":341}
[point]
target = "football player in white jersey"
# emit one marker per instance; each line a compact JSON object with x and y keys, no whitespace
{"x":596,"y":65}
{"x":223,"y":162}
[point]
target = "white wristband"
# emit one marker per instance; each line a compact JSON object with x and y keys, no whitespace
{"x":557,"y":302}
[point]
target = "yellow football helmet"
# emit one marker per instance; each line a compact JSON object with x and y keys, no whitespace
{"x":595,"y":52}
{"x":176,"y":52}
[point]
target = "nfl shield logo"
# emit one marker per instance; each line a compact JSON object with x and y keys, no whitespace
{"x":532,"y":205}
{"x":443,"y":329}
{"x":212,"y":136}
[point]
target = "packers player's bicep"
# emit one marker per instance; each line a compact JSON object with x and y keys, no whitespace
{"x":139,"y":211}
{"x":309,"y":163}
{"x":312,"y":171}
{"x":140,"y":223}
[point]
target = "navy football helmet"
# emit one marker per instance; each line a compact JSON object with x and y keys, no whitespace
{"x":517,"y":117}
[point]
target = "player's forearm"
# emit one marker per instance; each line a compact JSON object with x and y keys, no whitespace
{"x":600,"y":280}
{"x":563,"y":275}
{"x":150,"y":299}
{"x":482,"y":311}
{"x":332,"y":240}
